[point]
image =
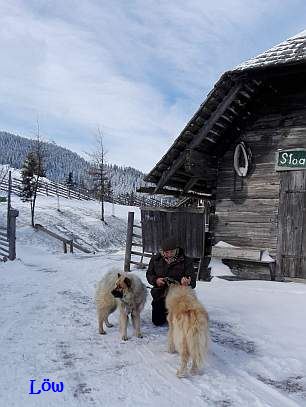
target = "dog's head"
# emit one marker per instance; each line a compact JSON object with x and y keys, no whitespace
{"x":122,"y":285}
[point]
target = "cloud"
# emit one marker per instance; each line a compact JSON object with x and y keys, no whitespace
{"x":136,"y":69}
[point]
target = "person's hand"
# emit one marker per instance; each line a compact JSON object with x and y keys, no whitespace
{"x":160,"y":282}
{"x":185,"y":281}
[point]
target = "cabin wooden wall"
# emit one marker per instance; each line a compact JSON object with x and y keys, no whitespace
{"x":247,"y":209}
{"x":187,"y":225}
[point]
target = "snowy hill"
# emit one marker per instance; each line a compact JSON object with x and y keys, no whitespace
{"x":77,"y":220}
{"x":59,"y":162}
{"x":49,"y":329}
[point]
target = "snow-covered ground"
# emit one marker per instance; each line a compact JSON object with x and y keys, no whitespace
{"x":257,"y":354}
{"x":77,"y":220}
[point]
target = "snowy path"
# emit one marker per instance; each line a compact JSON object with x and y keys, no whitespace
{"x":49,"y":330}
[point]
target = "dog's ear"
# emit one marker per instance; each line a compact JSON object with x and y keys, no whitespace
{"x":127,"y":282}
{"x":119,"y":275}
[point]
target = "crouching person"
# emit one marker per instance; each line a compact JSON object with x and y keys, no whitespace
{"x":170,"y":262}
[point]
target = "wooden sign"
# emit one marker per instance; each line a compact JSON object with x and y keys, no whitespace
{"x":293,"y":159}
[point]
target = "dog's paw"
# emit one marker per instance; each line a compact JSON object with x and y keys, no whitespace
{"x":102,"y":332}
{"x":139,"y":335}
{"x":109,"y":325}
{"x":194,"y":371}
{"x":181,"y":373}
{"x":171,"y":348}
{"x":124,"y":338}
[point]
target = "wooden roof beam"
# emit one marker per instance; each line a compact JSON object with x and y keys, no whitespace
{"x":220,"y":110}
{"x":173,"y":192}
{"x":168,"y":173}
{"x":190,"y":184}
{"x":226,"y":102}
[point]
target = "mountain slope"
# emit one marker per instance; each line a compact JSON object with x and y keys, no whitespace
{"x":60,"y":162}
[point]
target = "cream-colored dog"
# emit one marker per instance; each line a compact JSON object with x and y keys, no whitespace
{"x":126,"y":291}
{"x":188,"y":328}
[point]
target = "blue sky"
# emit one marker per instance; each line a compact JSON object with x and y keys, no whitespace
{"x":136,"y":69}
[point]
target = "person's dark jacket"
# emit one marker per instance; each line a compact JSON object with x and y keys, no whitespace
{"x":158,"y":267}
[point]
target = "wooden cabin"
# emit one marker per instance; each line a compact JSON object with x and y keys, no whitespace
{"x":244,"y":150}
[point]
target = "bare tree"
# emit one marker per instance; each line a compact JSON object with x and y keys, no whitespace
{"x":98,"y":170}
{"x":32,"y":171}
{"x":3,"y":174}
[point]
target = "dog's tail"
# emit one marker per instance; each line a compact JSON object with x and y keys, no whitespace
{"x":193,"y":333}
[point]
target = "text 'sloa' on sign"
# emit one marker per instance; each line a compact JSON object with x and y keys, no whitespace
{"x":294,"y":159}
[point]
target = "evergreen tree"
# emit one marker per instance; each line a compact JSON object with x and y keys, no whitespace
{"x":28,"y":177}
{"x":69,"y":181}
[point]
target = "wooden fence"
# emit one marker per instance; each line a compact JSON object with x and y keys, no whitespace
{"x":48,"y":189}
{"x":66,"y":242}
{"x":8,"y":237}
{"x":57,"y":189}
{"x":4,"y":244}
{"x":134,"y":240}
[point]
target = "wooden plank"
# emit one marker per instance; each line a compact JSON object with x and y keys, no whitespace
{"x":62,"y":239}
{"x":268,"y":243}
{"x":149,"y":209}
{"x":136,"y":244}
{"x":295,"y":280}
{"x":246,"y":217}
{"x":79,"y":247}
{"x":4,"y":249}
{"x":190,"y":184}
{"x":249,"y":270}
{"x":50,"y":233}
{"x":139,"y":263}
{"x":236,"y":253}
{"x":4,"y":242}
{"x":168,"y":173}
{"x":257,"y":192}
{"x":141,"y":254}
{"x":249,"y":205}
{"x":129,"y":239}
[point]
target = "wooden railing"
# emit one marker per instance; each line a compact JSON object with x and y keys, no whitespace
{"x":66,"y":242}
{"x":57,"y":189}
{"x":8,"y":237}
{"x":48,"y":189}
{"x":4,"y":244}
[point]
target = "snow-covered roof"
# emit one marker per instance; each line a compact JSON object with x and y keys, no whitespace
{"x":290,"y":51}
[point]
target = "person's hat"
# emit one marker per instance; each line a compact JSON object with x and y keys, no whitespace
{"x":169,"y":244}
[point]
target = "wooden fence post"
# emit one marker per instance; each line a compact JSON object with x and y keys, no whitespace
{"x":129,"y":240}
{"x":13,"y":213}
{"x":9,"y":193}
